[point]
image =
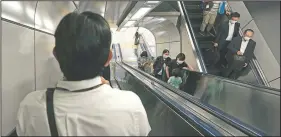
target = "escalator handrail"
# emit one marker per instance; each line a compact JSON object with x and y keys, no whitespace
{"x":192,"y":34}
{"x":219,"y":114}
{"x":145,"y":47}
{"x":241,"y":83}
{"x":255,"y":64}
{"x":247,"y":129}
{"x":186,"y":114}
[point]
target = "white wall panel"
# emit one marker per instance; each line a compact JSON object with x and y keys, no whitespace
{"x":17,"y":71}
{"x":160,"y":47}
{"x":47,"y":67}
{"x":174,"y":49}
{"x":275,"y":83}
{"x":187,"y":49}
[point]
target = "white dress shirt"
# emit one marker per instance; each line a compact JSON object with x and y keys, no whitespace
{"x":244,"y":45}
{"x":103,"y":111}
{"x":230,"y":31}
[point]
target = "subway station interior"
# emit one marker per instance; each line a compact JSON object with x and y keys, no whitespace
{"x":208,"y":104}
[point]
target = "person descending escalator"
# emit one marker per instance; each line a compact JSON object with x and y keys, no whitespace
{"x":210,"y":12}
{"x":83,"y":104}
{"x":178,"y":63}
{"x":228,"y":30}
{"x":158,"y":64}
{"x":175,"y":80}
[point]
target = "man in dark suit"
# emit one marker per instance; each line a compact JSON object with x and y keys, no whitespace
{"x":227,"y":31}
{"x":243,"y":47}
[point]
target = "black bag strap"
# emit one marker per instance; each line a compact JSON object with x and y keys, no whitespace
{"x":51,"y":112}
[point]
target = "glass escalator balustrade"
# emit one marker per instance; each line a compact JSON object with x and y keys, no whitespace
{"x":253,"y":106}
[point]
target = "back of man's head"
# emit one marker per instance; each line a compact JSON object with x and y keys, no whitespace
{"x":82,"y":45}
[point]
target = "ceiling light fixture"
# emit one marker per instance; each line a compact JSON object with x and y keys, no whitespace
{"x":140,"y":13}
{"x":152,"y":2}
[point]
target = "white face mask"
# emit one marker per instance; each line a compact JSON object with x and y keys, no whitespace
{"x":165,"y":56}
{"x":233,"y":21}
{"x":179,"y":62}
{"x":247,"y":38}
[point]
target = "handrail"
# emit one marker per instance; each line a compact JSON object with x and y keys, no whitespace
{"x":146,"y":44}
{"x":192,"y":37}
{"x":253,"y":62}
{"x":245,"y":128}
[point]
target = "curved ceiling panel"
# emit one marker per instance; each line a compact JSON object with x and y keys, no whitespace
{"x":93,"y":6}
{"x":19,"y":11}
{"x":49,"y":13}
{"x":114,"y":10}
{"x":164,"y":30}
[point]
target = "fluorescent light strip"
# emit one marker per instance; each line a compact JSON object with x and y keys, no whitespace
{"x":129,"y":23}
{"x":140,"y":13}
{"x":152,"y":2}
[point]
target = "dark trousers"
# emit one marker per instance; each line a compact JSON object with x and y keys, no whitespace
{"x":219,"y":20}
{"x":158,"y":76}
{"x":223,"y":51}
{"x":231,"y":73}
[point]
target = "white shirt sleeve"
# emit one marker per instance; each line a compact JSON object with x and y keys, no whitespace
{"x":142,"y":124}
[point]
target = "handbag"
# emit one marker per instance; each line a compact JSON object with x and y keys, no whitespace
{"x":238,"y":61}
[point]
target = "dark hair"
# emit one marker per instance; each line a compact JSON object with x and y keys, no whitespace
{"x":248,"y":30}
{"x":82,"y":45}
{"x":167,"y":60}
{"x":165,"y":51}
{"x":137,"y":34}
{"x":180,"y":56}
{"x":235,"y":14}
{"x":143,"y":54}
{"x":176,"y":72}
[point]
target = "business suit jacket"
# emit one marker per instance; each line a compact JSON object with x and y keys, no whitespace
{"x":235,"y":46}
{"x":223,"y":33}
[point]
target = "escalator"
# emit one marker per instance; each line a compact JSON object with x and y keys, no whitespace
{"x":193,"y":15}
{"x":204,"y":42}
{"x":207,"y":105}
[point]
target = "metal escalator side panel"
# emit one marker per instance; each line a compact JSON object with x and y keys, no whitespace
{"x":202,"y":112}
{"x":191,"y":35}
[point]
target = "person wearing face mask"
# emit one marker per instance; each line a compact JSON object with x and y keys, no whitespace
{"x":178,"y":63}
{"x":210,"y":11}
{"x":158,"y":64}
{"x":228,"y":30}
{"x":239,"y":46}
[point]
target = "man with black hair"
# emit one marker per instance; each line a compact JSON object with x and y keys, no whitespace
{"x":240,"y":52}
{"x":179,"y":62}
{"x":82,"y":104}
{"x":227,"y":31}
